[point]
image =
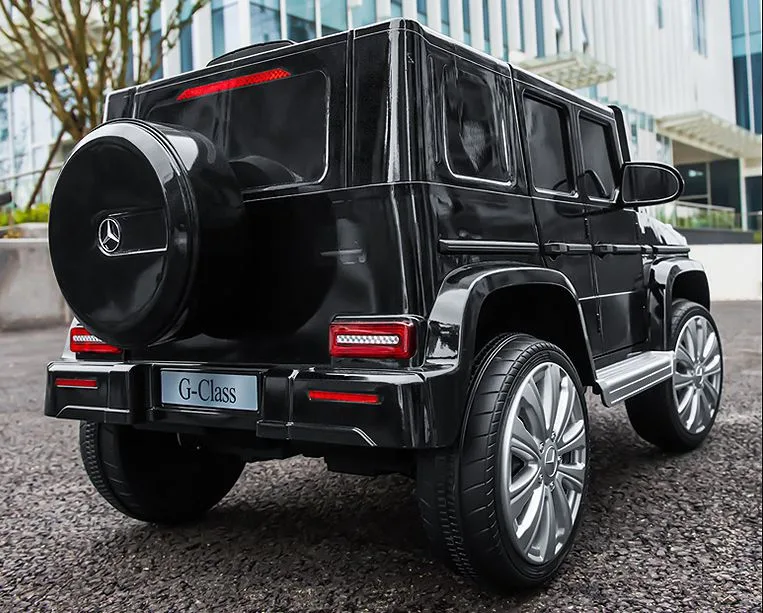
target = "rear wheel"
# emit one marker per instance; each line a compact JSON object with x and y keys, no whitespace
{"x":678,"y":414}
{"x":503,"y":506}
{"x":151,"y":477}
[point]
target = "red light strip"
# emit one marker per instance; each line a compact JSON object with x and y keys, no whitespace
{"x":77,"y":383}
{"x":235,"y":83}
{"x":343,"y":397}
{"x":81,"y":341}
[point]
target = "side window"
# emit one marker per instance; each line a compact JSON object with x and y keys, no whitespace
{"x":546,"y":130}
{"x":598,"y":159}
{"x":475,"y":142}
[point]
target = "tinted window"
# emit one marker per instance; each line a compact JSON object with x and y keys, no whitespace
{"x":273,"y":133}
{"x":547,"y":143}
{"x":475,"y":140}
{"x":598,"y":160}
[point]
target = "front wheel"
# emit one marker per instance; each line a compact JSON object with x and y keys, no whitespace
{"x":678,"y":414}
{"x":150,"y":476}
{"x":503,"y":506}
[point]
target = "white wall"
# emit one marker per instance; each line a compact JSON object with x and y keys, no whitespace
{"x":29,"y":294}
{"x":733,"y":271}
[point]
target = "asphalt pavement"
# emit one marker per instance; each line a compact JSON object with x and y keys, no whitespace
{"x":662,"y":532}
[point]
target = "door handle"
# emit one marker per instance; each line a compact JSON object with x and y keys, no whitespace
{"x":604,"y":250}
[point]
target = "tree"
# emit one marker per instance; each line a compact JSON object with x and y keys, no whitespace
{"x":71,"y":53}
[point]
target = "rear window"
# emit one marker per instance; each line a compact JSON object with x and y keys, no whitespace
{"x":273,"y":133}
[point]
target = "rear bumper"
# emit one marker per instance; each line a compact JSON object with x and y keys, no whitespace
{"x":129,"y":394}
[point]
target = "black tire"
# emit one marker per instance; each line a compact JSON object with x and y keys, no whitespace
{"x":654,"y":413}
{"x":458,"y":488}
{"x":149,"y":476}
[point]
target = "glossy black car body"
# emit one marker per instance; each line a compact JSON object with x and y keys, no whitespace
{"x":381,"y":223}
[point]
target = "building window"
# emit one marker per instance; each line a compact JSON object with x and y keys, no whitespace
{"x":467,"y":22}
{"x":156,"y":45}
{"x":364,"y":13}
{"x":300,"y":20}
{"x":445,"y":16}
{"x":265,"y":20}
{"x":539,"y":30}
{"x":586,"y":39}
{"x":333,"y":16}
{"x":550,"y":160}
{"x":505,"y":29}
{"x":663,"y":149}
{"x":698,"y":29}
{"x":558,"y":27}
{"x":396,"y":7}
{"x":521,"y":14}
{"x":660,"y":14}
{"x":421,"y":10}
{"x":185,"y":40}
{"x":475,"y":141}
{"x":486,"y":25}
{"x":224,"y":26}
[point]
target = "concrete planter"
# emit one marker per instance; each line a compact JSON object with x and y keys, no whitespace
{"x":29,"y":294}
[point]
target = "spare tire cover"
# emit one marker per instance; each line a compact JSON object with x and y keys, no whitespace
{"x":125,"y":227}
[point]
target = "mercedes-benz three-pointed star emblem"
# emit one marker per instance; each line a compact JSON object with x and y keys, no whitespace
{"x":109,"y":235}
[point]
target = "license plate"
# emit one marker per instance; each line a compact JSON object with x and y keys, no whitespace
{"x":197,"y":389}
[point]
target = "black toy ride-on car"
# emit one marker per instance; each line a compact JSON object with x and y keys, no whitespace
{"x":384,"y":249}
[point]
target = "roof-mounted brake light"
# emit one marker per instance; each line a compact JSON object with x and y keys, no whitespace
{"x":234,"y":83}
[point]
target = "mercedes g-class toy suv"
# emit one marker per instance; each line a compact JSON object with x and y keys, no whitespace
{"x":384,"y":249}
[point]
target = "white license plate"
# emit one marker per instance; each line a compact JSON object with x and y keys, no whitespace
{"x":197,"y":389}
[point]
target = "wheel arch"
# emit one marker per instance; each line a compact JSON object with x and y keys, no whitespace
{"x":477,"y":302}
{"x":672,"y":279}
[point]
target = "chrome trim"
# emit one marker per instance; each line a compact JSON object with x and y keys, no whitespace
{"x":479,"y":246}
{"x":633,"y":375}
{"x":671,"y":249}
{"x":612,"y":295}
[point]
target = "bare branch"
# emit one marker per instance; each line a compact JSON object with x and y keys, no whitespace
{"x":71,"y":53}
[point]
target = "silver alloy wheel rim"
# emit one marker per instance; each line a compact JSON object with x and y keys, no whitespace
{"x":542,"y":462}
{"x":698,"y":374}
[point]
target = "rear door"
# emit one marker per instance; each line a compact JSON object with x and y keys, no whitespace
{"x":617,"y":259}
{"x":547,"y":126}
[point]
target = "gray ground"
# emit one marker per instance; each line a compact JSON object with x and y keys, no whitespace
{"x":662,"y":533}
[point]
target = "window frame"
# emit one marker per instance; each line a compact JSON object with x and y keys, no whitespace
{"x":613,"y":151}
{"x":505,"y":106}
{"x":563,"y":107}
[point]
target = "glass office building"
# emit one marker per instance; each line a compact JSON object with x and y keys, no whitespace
{"x":669,"y":64}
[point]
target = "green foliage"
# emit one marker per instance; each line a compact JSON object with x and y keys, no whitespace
{"x":35,"y":213}
{"x":756,"y":237}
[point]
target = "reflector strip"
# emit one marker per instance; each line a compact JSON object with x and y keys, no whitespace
{"x":234,"y":83}
{"x":81,"y":341}
{"x":77,"y":383}
{"x":343,"y":397}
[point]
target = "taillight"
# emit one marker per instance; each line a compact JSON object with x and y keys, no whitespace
{"x":234,"y":83}
{"x":81,"y":341}
{"x":372,"y":339}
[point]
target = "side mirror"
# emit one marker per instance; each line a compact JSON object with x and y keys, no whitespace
{"x":648,"y":183}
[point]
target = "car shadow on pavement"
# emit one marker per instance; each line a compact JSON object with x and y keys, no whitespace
{"x":301,"y":522}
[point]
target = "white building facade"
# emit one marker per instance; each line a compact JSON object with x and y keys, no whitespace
{"x":668,"y":63}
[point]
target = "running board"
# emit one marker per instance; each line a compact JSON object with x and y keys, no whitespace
{"x":634,"y":375}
